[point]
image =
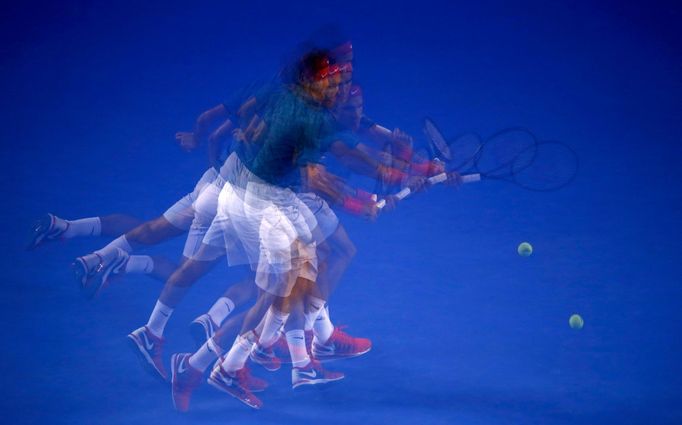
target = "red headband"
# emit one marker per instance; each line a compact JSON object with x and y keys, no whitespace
{"x":333,"y":70}
{"x":346,"y":67}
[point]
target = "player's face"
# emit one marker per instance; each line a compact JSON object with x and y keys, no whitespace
{"x":317,"y":89}
{"x":332,"y":90}
{"x":345,"y":85}
{"x":350,"y":113}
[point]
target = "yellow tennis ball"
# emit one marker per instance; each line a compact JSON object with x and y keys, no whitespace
{"x":525,"y":249}
{"x":576,"y":322}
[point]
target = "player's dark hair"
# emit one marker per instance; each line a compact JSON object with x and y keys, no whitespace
{"x":306,"y":62}
{"x":312,"y":63}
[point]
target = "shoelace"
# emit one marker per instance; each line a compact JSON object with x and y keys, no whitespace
{"x":242,"y":374}
{"x":315,"y":365}
{"x":245,"y":379}
{"x":343,"y":339}
{"x":191,"y":376}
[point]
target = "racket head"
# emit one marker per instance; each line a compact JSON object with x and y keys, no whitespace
{"x":554,"y":166}
{"x":506,"y":153}
{"x":464,"y":149}
{"x":436,"y":140}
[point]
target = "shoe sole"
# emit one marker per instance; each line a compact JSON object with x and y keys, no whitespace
{"x":350,"y":356}
{"x":315,"y":382}
{"x":217,"y":385}
{"x":145,"y":361}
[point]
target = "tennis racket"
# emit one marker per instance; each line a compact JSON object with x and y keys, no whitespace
{"x":458,"y":153}
{"x":514,"y":155}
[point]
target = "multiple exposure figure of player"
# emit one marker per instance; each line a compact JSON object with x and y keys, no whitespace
{"x":269,"y":204}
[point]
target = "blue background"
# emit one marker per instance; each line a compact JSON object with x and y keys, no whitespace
{"x":464,"y":330}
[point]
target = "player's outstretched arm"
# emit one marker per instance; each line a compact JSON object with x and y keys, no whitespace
{"x":191,"y":140}
{"x":216,"y":141}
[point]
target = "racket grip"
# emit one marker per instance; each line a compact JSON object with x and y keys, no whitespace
{"x":400,"y":195}
{"x":470,"y":178}
{"x":438,"y":178}
{"x":403,"y":193}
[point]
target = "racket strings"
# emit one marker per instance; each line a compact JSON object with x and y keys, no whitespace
{"x":506,"y":153}
{"x":554,"y":166}
{"x":464,"y":150}
{"x":437,"y":139}
{"x":513,"y":154}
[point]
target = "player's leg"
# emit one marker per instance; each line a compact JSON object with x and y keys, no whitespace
{"x":93,"y":270}
{"x":147,"y":341}
{"x":335,"y":251}
{"x":331,"y":342}
{"x":209,"y":228}
{"x":230,"y":373}
{"x":204,"y":326}
{"x":51,"y":227}
{"x":305,"y":370}
{"x":275,"y":278}
{"x":204,"y":247}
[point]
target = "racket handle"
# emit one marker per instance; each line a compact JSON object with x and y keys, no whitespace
{"x":400,"y":195}
{"x":470,"y":178}
{"x":438,"y":178}
{"x":404,"y":193}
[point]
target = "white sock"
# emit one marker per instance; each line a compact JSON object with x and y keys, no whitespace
{"x":274,"y":319}
{"x":120,"y":242}
{"x":59,"y":224}
{"x":159,"y":318}
{"x":296,"y":343}
{"x":220,"y":310}
{"x":91,"y":226}
{"x":140,"y":264}
{"x":236,"y":357}
{"x":259,"y":328}
{"x":205,"y":355}
{"x":314,"y":306}
{"x":323,"y":327}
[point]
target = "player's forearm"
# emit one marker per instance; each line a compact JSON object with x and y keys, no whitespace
{"x":356,"y":159}
{"x":417,"y":166}
{"x":337,"y":192}
{"x":208,"y":119}
{"x":360,"y":162}
{"x":216,"y":142}
{"x":325,"y":184}
{"x":401,"y":142}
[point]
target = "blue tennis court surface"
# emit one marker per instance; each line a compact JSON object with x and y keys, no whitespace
{"x":464,"y":329}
